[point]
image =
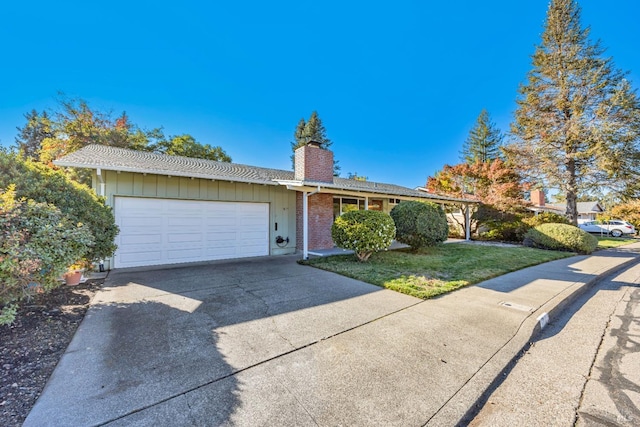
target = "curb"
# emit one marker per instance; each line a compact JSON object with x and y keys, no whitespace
{"x":465,"y":404}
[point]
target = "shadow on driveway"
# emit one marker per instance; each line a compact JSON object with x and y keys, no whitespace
{"x":154,"y":340}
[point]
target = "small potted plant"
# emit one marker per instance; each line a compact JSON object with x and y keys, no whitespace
{"x":73,"y":276}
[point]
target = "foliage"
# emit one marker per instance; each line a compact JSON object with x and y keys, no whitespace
{"x":364,"y":232}
{"x":577,"y":125}
{"x":493,"y":183}
{"x":498,"y":225}
{"x":356,"y":177}
{"x":563,"y":237}
{"x":434,"y":271}
{"x":545,"y":218}
{"x":312,"y":130}
{"x":186,"y":146}
{"x":629,"y":211}
{"x":483,"y":143}
{"x":420,"y":224}
{"x":38,"y":243}
{"x":30,"y":136}
{"x":76,"y":201}
{"x":511,"y":226}
{"x":74,"y":124}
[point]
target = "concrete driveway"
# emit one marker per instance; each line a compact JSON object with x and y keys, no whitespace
{"x":269,"y":342}
{"x":192,"y":343}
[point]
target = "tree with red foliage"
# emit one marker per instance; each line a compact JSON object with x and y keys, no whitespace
{"x":492,"y":183}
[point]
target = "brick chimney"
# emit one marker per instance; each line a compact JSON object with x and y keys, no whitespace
{"x":537,"y":198}
{"x":313,"y":163}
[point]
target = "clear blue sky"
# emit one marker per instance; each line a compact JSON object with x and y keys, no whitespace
{"x":397,"y":84}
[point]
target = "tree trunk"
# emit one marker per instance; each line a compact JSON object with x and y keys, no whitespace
{"x":571,"y":191}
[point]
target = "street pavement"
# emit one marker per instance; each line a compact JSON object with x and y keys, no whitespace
{"x":583,"y":370}
{"x":267,"y":341}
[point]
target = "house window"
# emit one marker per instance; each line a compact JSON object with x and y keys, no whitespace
{"x":375,"y":204}
{"x":342,"y":205}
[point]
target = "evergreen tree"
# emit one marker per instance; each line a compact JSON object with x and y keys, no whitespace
{"x":577,"y":125}
{"x":483,"y":143}
{"x":30,"y":137}
{"x":312,"y":130}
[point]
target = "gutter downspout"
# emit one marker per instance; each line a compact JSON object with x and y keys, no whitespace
{"x":305,"y":222}
{"x":102,"y":183}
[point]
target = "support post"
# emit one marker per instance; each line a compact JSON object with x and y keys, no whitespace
{"x":305,"y":225}
{"x":467,"y":222}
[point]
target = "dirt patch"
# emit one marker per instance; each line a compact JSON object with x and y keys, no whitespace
{"x":31,"y":347}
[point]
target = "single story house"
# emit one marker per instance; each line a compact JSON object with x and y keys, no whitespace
{"x":587,"y":211}
{"x":174,"y":209}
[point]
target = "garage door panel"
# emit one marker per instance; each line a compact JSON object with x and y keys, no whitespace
{"x":142,"y":219}
{"x":140,"y":239}
{"x":186,"y":231}
{"x":184,"y":238}
{"x":184,"y":254}
{"x":143,"y":258}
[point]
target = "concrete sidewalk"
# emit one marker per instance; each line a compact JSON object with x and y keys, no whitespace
{"x":284,"y":344}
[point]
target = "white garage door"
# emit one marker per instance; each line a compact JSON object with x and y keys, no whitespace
{"x":165,"y":231}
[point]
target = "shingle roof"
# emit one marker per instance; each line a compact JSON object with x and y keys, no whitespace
{"x":582,"y":207}
{"x":126,"y":160}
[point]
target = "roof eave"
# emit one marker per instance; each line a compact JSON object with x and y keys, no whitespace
{"x":164,"y":173}
{"x":324,"y":187}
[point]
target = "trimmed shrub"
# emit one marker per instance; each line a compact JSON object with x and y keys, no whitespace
{"x":563,"y":237}
{"x":364,"y":232}
{"x":38,"y":244}
{"x":420,"y":224}
{"x":546,"y":218}
{"x":77,"y":202}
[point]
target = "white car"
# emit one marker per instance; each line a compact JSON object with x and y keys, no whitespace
{"x":615,"y":227}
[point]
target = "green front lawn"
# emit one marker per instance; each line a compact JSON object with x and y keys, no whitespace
{"x":437,"y":270}
{"x":613,"y":242}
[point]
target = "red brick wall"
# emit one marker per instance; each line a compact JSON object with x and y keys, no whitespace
{"x":320,"y":221}
{"x":313,"y":164}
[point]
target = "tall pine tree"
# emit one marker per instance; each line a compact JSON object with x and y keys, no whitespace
{"x":577,"y":125}
{"x":30,"y":136}
{"x":312,"y":130}
{"x":483,"y":143}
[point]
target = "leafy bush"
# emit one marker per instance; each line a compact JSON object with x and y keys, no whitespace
{"x":420,"y":224}
{"x":495,"y":224}
{"x":546,"y":218}
{"x":510,"y":226}
{"x":77,"y":202}
{"x":38,"y":243}
{"x":561,"y":237}
{"x":364,"y":232}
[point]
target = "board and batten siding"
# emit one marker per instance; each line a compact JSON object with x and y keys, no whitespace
{"x":282,"y":202}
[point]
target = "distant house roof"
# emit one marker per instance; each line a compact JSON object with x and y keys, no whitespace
{"x":126,"y":160}
{"x":582,"y":207}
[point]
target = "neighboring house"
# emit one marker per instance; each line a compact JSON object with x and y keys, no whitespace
{"x":175,"y":209}
{"x":587,"y":211}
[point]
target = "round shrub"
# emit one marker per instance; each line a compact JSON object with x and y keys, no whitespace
{"x":364,"y":232}
{"x":77,"y":202}
{"x":563,"y":237}
{"x":420,"y":224}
